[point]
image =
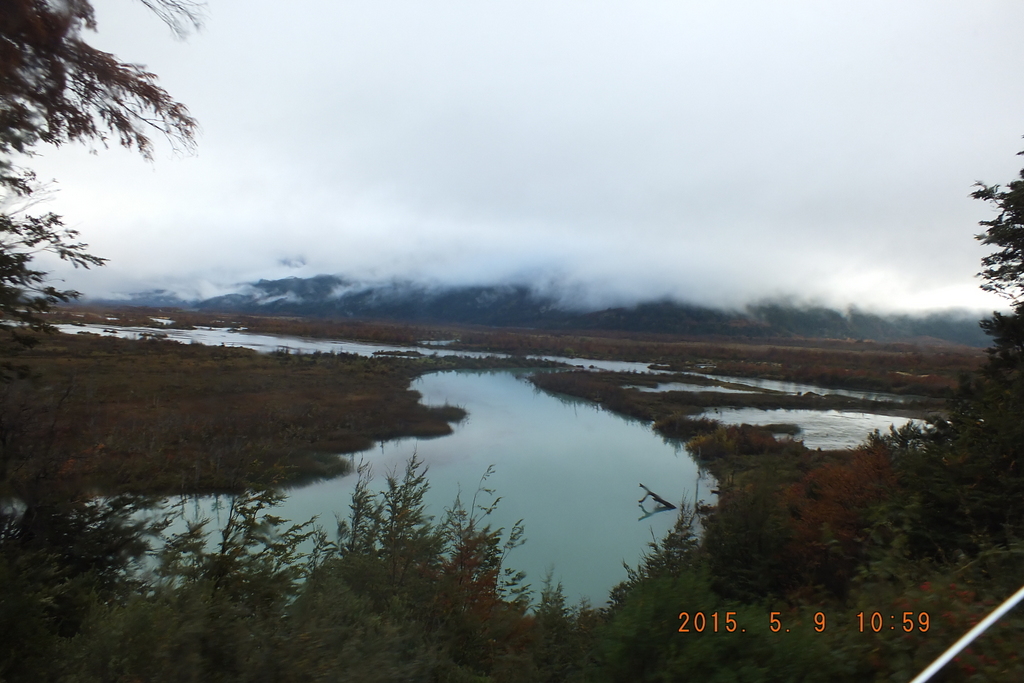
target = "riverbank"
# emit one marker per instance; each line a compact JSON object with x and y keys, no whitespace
{"x":161,"y":417}
{"x":672,"y":412}
{"x":911,"y":369}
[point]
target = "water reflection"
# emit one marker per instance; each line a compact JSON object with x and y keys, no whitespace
{"x":797,"y":388}
{"x":567,"y":468}
{"x":825,"y":429}
{"x":685,"y":386}
{"x":656,"y":509}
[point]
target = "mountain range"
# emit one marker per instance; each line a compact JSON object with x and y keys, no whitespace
{"x":329,"y":296}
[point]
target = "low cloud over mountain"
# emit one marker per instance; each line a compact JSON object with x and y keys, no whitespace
{"x":520,"y":306}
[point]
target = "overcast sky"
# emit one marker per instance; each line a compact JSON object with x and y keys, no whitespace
{"x":717,"y":152}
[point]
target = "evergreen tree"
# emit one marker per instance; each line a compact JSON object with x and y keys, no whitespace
{"x":965,"y":486}
{"x":1004,"y":275}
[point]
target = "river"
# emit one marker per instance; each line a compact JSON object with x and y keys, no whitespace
{"x":569,"y":469}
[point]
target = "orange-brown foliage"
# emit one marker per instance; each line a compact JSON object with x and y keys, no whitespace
{"x":828,"y":514}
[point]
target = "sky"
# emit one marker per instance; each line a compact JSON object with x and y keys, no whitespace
{"x":714,"y":152}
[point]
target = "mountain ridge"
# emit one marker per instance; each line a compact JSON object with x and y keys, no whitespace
{"x":510,"y":305}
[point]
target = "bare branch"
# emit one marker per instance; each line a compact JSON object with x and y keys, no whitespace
{"x":182,"y":16}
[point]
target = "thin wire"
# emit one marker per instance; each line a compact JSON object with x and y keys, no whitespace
{"x":1010,"y":603}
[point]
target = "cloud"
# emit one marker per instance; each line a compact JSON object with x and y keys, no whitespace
{"x":292,"y":262}
{"x":717,"y":152}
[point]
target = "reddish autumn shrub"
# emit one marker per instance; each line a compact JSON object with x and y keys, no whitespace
{"x":828,"y":510}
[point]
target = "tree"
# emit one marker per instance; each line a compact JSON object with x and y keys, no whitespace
{"x":56,"y":88}
{"x":23,"y":289}
{"x":1004,"y":270}
{"x":59,"y":550}
{"x":967,"y":487}
{"x":1004,"y":274}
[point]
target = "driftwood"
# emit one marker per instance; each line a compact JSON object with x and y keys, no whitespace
{"x":656,"y":497}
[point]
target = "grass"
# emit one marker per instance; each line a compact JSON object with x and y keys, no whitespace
{"x":161,"y":417}
{"x":672,"y":411}
{"x":909,"y":369}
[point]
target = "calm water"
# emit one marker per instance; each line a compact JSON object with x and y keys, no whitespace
{"x":569,"y":470}
{"x":795,"y":388}
{"x":825,"y":429}
{"x":686,"y":386}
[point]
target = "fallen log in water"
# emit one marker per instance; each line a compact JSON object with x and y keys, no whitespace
{"x":656,"y":497}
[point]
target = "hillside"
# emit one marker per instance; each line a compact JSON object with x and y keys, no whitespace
{"x":328,"y":296}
